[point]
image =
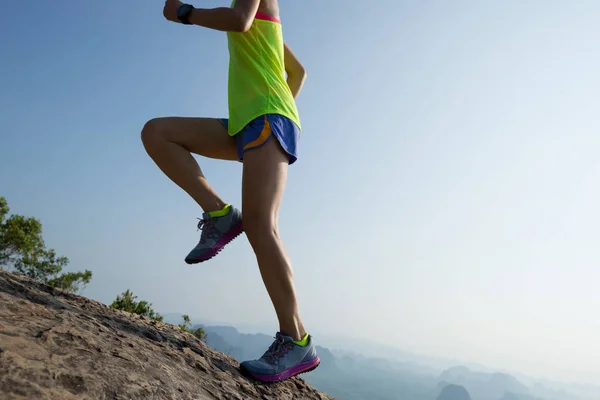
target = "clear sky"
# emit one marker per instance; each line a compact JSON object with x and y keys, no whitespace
{"x":446,"y":196}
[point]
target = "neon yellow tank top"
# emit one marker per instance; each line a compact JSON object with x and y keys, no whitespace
{"x":257,"y":83}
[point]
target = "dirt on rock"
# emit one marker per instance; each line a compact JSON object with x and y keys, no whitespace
{"x":59,"y":346}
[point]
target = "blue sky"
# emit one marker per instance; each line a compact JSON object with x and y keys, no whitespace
{"x":445,"y":199}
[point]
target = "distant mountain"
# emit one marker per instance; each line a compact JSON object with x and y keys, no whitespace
{"x":560,"y":391}
{"x":510,"y":396}
{"x":368,"y":348}
{"x":241,"y":346}
{"x":454,"y":392}
{"x":485,"y":386}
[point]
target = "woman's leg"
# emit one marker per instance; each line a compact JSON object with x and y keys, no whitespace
{"x":293,"y":351}
{"x":170,"y":142}
{"x":263,"y":184}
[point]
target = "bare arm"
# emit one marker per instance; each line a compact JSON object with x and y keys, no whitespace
{"x":296,"y":74}
{"x":236,"y":19}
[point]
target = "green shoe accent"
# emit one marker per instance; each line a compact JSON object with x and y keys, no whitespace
{"x":303,"y":342}
{"x":220,"y":213}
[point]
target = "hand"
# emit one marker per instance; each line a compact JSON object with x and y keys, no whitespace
{"x":170,"y":10}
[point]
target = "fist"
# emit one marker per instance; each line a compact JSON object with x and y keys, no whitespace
{"x":170,"y":10}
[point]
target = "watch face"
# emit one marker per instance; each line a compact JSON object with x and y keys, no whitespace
{"x":183,"y":10}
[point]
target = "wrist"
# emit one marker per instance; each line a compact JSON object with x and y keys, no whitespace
{"x":183,"y":13}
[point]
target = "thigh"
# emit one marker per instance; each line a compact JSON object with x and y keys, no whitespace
{"x":206,"y":137}
{"x":263,"y":183}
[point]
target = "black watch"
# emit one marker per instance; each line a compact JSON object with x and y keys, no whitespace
{"x":183,"y":13}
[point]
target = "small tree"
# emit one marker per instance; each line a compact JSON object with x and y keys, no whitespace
{"x":187,"y":327}
{"x":22,"y":249}
{"x":127,"y":302}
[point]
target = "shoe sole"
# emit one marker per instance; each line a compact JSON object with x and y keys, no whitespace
{"x":227,"y":238}
{"x":285,"y":375}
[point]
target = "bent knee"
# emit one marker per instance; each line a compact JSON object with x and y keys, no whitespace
{"x":152,"y":132}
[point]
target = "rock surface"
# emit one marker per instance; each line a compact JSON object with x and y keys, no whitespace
{"x":56,"y":345}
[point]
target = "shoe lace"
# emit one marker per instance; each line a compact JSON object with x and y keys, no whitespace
{"x":277,"y":349}
{"x":207,"y":226}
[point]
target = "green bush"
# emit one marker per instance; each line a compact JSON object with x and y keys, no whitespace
{"x":22,"y":250}
{"x":127,"y":302}
{"x":187,"y":327}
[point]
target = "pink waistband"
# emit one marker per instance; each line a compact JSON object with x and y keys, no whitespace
{"x":266,"y":17}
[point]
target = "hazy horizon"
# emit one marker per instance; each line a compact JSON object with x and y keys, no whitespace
{"x":445,"y":200}
{"x":430,"y":360}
